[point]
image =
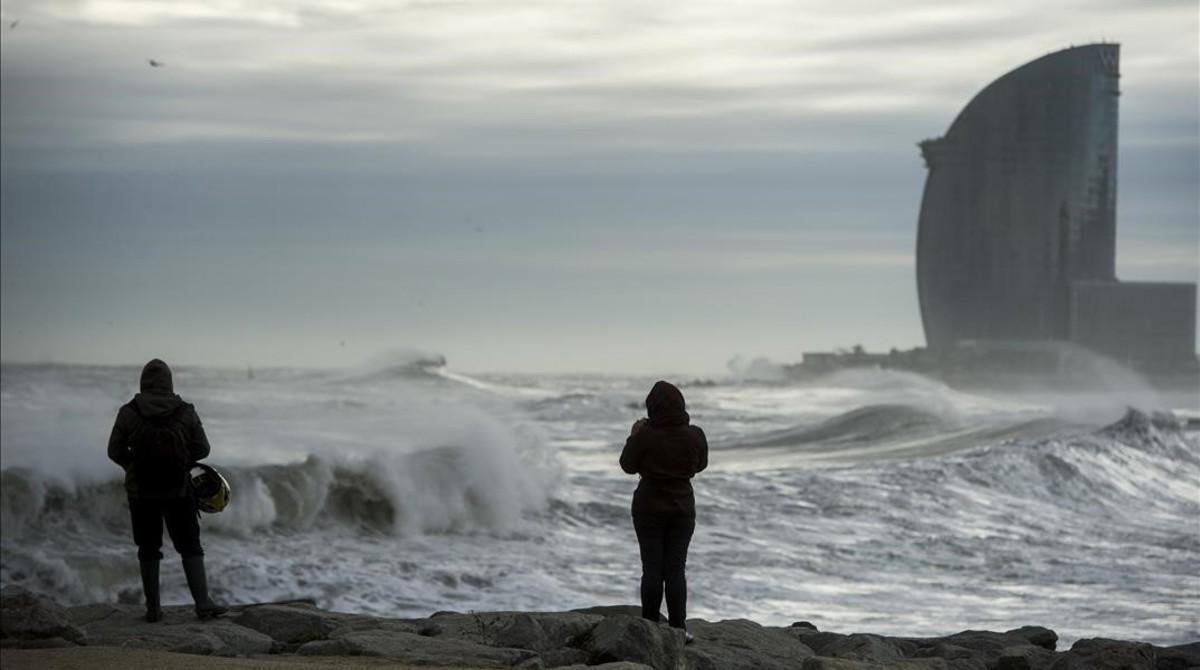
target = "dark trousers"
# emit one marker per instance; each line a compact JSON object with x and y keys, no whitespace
{"x":663,"y":541}
{"x":148,"y":515}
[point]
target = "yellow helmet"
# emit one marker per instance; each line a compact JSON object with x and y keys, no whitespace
{"x":211,"y":489}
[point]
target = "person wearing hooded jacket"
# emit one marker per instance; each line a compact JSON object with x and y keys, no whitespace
{"x":666,"y":451}
{"x":158,"y":499}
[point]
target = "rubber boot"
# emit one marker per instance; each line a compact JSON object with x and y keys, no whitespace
{"x":193,"y":568}
{"x":150,"y":589}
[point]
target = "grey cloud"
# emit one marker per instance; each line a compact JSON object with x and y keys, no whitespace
{"x":377,"y":171}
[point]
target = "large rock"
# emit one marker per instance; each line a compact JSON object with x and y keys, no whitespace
{"x":958,"y":658}
{"x":1025,"y":657}
{"x":324,"y":648}
{"x":950,"y":652}
{"x":864,"y":647}
{"x":1102,"y":654}
{"x":539,"y":631}
{"x":626,"y":638}
{"x":1037,"y":636}
{"x":292,"y":624}
{"x":85,"y":615}
{"x":565,"y":657}
{"x":612,"y":610}
{"x":1027,"y":648}
{"x":216,"y":638}
{"x":25,"y":616}
{"x":815,"y":640}
{"x":179,"y":631}
{"x":827,"y":663}
{"x":619,"y":665}
{"x":984,"y":642}
{"x":740,"y":644}
{"x":1182,"y":657}
{"x":418,"y":650}
{"x":615,"y":636}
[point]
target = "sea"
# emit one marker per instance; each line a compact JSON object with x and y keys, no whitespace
{"x":863,"y":501}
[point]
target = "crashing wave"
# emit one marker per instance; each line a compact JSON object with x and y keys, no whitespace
{"x":862,"y":425}
{"x":1139,"y":426}
{"x":1141,"y":457}
{"x":443,"y":490}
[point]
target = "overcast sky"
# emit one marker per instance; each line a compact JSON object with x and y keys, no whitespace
{"x":522,"y":186}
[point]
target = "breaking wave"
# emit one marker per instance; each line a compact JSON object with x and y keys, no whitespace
{"x":404,"y":490}
{"x":441,"y":490}
{"x":1144,"y":463}
{"x":865,"y":424}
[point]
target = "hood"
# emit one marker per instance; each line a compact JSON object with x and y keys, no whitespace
{"x":156,"y":378}
{"x":665,"y":405}
{"x":157,"y":396}
{"x":156,"y":404}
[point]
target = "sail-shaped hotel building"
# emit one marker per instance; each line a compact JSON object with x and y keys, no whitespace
{"x":1016,"y":243}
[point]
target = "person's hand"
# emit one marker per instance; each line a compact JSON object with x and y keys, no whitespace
{"x":638,"y":426}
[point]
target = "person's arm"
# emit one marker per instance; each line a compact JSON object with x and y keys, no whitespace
{"x":118,"y":442}
{"x":701,"y":450}
{"x":631,"y":455}
{"x":198,"y":445}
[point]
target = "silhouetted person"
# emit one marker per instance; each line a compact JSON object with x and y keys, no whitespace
{"x":157,"y":438}
{"x":666,"y":451}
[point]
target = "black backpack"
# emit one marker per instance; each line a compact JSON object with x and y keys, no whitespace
{"x":161,"y":459}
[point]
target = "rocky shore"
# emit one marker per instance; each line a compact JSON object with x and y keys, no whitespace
{"x":612,"y":637}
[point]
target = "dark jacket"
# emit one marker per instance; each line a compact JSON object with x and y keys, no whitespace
{"x":156,"y":399}
{"x":667,"y":452}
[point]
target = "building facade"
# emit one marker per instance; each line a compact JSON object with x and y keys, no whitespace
{"x":1018,"y":218}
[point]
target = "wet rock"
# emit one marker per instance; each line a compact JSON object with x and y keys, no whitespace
{"x":612,"y":610}
{"x":353,"y":623}
{"x":827,"y":663}
{"x":418,"y":649}
{"x":324,"y":648}
{"x":956,"y":657}
{"x":203,"y":644}
{"x":217,"y":638}
{"x":235,"y":640}
{"x":984,"y":642}
{"x":1037,"y":636}
{"x":863,"y":647}
{"x":614,"y":636}
{"x":619,"y":665}
{"x":1103,"y":654}
{"x":560,"y":658}
{"x":740,"y":644}
{"x":85,"y":614}
{"x":1182,"y":657}
{"x":1025,"y":657}
{"x":804,"y":624}
{"x":817,"y":641}
{"x":288,"y":623}
{"x":950,"y":652}
{"x":27,"y":616}
{"x":626,"y":638}
{"x":539,"y":631}
{"x":905,"y":646}
{"x":179,"y":631}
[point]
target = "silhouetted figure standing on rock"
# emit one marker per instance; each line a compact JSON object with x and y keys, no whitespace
{"x":666,"y":451}
{"x":157,"y":438}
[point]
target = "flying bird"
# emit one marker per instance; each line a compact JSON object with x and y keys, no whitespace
{"x":155,"y":63}
{"x":14,"y":24}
